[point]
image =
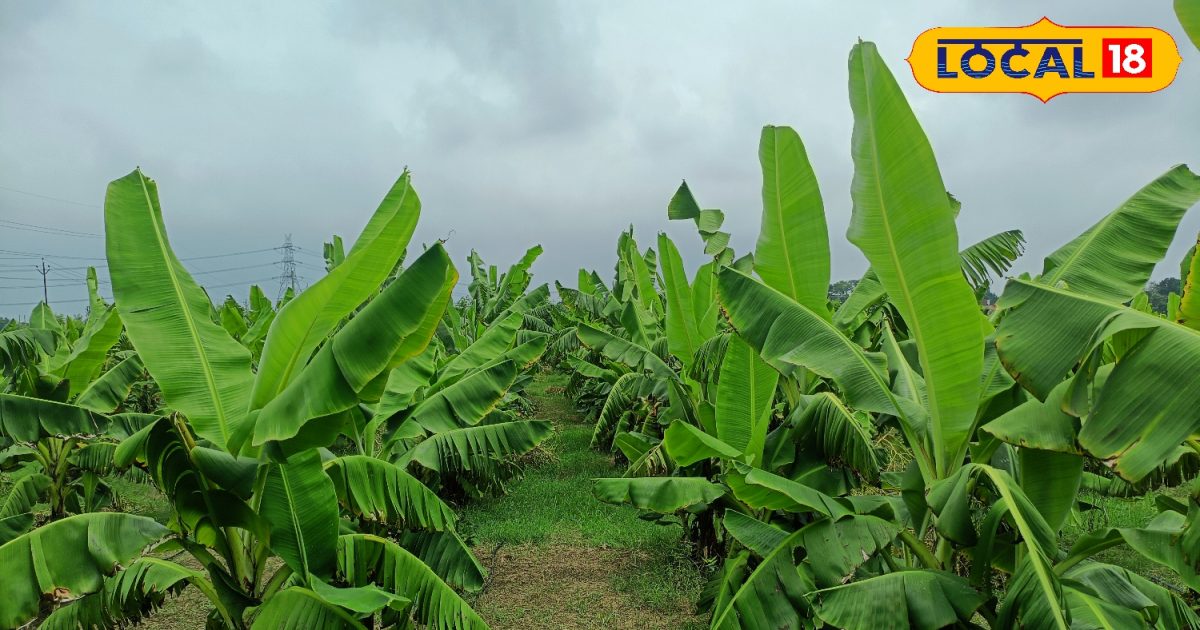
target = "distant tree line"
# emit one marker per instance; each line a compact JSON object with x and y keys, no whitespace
{"x":1158,"y":292}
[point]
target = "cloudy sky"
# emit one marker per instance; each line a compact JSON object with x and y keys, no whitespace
{"x":523,"y":122}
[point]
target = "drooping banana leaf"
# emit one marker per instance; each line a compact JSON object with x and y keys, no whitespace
{"x":792,"y":254}
{"x":107,"y":393}
{"x":378,"y":491}
{"x":457,"y":450}
{"x":200,"y":369}
{"x":497,"y":339}
{"x":306,"y":320}
{"x":1137,"y":418}
{"x":688,"y":444}
{"x":448,"y":556}
{"x":134,"y":592}
{"x":755,"y":535}
{"x":926,"y":600}
{"x":626,"y":352}
{"x":787,"y":336}
{"x":904,"y":224}
{"x":26,"y":419}
{"x":663,"y":495}
{"x":297,"y":608}
{"x":365,"y":559}
{"x":1114,"y":258}
{"x":16,"y":509}
{"x":772,"y":596}
{"x":68,"y":558}
{"x":467,"y":401}
{"x":396,"y":325}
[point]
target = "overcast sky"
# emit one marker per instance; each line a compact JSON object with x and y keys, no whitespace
{"x":523,"y":122}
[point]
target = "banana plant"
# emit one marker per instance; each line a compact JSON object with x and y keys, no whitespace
{"x":55,"y":418}
{"x":803,"y":397}
{"x":286,"y":534}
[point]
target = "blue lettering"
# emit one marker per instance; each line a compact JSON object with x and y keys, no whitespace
{"x":1079,"y":72}
{"x":942,"y":72}
{"x":1006,"y":62}
{"x":1052,"y":61}
{"x":978,"y":51}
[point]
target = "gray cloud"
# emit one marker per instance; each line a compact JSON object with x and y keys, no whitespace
{"x":559,"y":123}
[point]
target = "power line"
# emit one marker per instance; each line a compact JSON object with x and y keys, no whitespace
{"x":36,"y":303}
{"x":17,"y":255}
{"x":42,"y":229}
{"x":41,"y":196}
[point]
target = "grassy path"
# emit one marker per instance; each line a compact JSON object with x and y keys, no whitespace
{"x":558,"y":558}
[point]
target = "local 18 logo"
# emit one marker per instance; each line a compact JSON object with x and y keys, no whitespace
{"x":1044,"y":59}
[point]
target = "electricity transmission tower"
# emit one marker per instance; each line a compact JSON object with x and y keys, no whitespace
{"x":287,"y":279}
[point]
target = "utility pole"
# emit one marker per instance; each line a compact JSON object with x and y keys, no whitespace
{"x":287,"y":279}
{"x":45,"y":292}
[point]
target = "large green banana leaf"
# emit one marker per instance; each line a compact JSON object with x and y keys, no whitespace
{"x":826,"y":426}
{"x":664,"y":495}
{"x":468,"y":400}
{"x":377,"y":491}
{"x":107,"y":393}
{"x":1114,"y":258}
{"x":299,"y":608}
{"x":130,"y":595}
{"x":24,"y":346}
{"x":302,"y":324}
{"x":904,"y":224}
{"x":16,"y":509}
{"x":993,"y":255}
{"x":688,"y":444}
{"x":625,"y":352}
{"x":393,"y":327}
{"x":839,"y":550}
{"x":760,"y":489}
{"x":365,"y":559}
{"x":744,"y":395}
{"x":300,"y":504}
{"x":755,"y":535}
{"x":43,"y":318}
{"x":68,"y":558}
{"x":926,"y":600}
{"x":792,"y":254}
{"x":1160,"y":541}
{"x":950,"y":499}
{"x":448,"y":556}
{"x":683,"y":337}
{"x":1188,"y":12}
{"x":100,"y":332}
{"x":459,"y":449}
{"x":497,"y":339}
{"x":1137,"y":418}
{"x":1189,"y":302}
{"x":202,"y":371}
{"x":772,"y":596}
{"x":789,"y":336}
{"x":27,"y":419}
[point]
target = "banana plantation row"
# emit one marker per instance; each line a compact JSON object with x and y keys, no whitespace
{"x":899,"y":459}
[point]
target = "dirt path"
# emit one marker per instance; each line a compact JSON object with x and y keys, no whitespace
{"x":558,"y":558}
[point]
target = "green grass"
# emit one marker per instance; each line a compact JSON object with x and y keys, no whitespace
{"x":552,"y":507}
{"x":1119,"y":512}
